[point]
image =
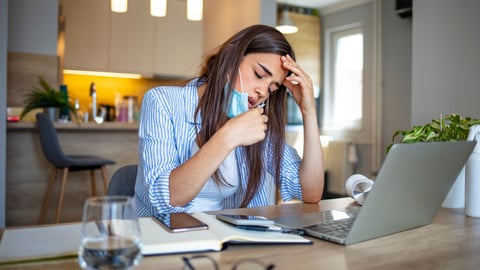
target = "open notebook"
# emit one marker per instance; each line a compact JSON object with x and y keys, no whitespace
{"x":409,"y":189}
{"x":60,"y":241}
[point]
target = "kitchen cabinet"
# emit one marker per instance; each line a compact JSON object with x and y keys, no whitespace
{"x":133,"y":42}
{"x":178,"y":42}
{"x":87,"y":25}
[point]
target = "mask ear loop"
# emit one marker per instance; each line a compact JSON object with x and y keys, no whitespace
{"x":241,"y":81}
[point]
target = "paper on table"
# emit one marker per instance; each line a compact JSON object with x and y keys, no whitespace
{"x":45,"y":242}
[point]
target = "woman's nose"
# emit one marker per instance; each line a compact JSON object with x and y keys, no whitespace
{"x":262,"y":91}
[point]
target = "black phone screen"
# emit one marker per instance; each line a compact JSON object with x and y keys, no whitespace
{"x":180,"y":222}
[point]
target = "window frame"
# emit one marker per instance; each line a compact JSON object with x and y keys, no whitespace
{"x":364,"y":134}
{"x":330,"y":84}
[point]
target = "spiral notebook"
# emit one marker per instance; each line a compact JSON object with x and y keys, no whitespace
{"x":409,"y":189}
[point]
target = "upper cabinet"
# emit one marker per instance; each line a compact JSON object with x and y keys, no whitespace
{"x":87,"y":25}
{"x":178,"y":42}
{"x":132,"y":47}
{"x":133,"y":42}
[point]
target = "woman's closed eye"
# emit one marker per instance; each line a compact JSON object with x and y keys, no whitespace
{"x":274,"y":86}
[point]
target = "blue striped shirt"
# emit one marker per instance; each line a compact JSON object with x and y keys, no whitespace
{"x":166,"y":135}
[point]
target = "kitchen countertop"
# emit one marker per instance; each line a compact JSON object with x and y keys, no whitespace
{"x":74,"y":126}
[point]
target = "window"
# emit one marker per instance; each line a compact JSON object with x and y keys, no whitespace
{"x":350,"y":96}
{"x":344,"y":86}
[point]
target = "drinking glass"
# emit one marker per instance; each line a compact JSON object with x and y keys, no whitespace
{"x":110,"y":234}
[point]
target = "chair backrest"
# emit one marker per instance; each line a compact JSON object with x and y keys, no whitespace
{"x":49,"y":140}
{"x":123,"y":181}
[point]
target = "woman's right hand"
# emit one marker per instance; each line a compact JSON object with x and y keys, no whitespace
{"x":248,"y":128}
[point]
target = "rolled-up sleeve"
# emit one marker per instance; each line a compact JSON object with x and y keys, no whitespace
{"x":164,"y":144}
{"x":290,"y":187}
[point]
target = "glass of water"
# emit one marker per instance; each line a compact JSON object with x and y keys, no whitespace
{"x":110,"y":234}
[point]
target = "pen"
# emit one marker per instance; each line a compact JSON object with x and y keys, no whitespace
{"x":253,"y":228}
{"x":270,"y":229}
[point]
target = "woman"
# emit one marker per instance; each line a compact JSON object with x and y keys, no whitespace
{"x":218,"y":141}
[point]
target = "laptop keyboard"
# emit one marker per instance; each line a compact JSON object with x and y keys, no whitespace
{"x":335,"y":228}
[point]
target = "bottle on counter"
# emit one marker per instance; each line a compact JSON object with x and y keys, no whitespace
{"x":93,"y":96}
{"x":130,"y":104}
{"x":122,"y":113}
{"x":81,"y":115}
{"x":64,"y":112}
{"x":472,"y":177}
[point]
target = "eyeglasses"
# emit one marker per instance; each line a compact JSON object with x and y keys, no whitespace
{"x":198,"y":262}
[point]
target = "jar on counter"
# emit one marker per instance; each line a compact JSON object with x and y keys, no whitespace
{"x":129,"y":110}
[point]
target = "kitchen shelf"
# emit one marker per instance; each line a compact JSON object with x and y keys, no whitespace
{"x":110,"y":126}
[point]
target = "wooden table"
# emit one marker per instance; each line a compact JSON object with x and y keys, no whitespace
{"x":452,"y":241}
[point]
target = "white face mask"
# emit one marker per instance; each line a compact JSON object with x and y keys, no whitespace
{"x":238,"y":102}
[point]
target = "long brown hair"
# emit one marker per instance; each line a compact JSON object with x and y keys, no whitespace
{"x":226,"y":61}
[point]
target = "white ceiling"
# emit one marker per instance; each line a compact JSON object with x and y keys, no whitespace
{"x":312,"y":3}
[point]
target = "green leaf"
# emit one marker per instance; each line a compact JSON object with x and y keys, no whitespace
{"x":43,"y":96}
{"x":451,"y":127}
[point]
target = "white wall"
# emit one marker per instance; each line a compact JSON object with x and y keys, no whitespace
{"x":33,"y":27}
{"x":268,"y":12}
{"x":445,"y":59}
{"x":3,"y":105}
{"x":27,"y":26}
{"x":396,"y":73}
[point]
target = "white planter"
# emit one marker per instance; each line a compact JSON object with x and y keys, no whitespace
{"x":456,"y":195}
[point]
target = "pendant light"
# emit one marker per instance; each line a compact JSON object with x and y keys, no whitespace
{"x":158,"y":8}
{"x":285,"y":24}
{"x":119,"y":6}
{"x":194,"y":10}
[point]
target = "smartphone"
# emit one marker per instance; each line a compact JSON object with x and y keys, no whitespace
{"x":180,"y":222}
{"x":242,"y":220}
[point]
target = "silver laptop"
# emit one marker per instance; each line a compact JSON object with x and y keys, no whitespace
{"x":409,"y":189}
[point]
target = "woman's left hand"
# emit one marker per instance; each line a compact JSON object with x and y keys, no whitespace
{"x":311,"y":172}
{"x":300,"y":85}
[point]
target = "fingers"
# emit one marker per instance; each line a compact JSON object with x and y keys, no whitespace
{"x":259,"y":120}
{"x":298,"y":74}
{"x":255,"y":126}
{"x":249,"y":127}
{"x":290,"y":64}
{"x":299,"y":83}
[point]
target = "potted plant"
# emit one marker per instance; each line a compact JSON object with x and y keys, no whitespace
{"x":452,"y":127}
{"x":46,"y":97}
